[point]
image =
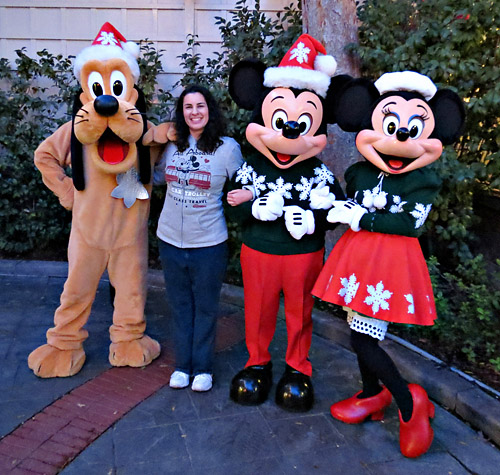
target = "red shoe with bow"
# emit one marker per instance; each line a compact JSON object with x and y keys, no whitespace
{"x":354,"y":410}
{"x":415,"y":436}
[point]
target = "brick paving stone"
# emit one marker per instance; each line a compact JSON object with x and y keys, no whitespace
{"x":36,"y":435}
{"x":50,"y":422}
{"x":66,"y":444}
{"x":61,"y":446}
{"x":42,"y":454}
{"x":37,"y":466}
{"x":7,"y":462}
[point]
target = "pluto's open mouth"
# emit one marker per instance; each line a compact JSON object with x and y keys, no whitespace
{"x":395,"y":163}
{"x":111,"y":148}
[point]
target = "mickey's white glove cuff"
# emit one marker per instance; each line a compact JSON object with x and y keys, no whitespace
{"x":310,"y":221}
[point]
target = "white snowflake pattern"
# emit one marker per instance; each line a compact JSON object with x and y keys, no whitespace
{"x":107,"y":39}
{"x":411,"y":304}
{"x":300,"y":53}
{"x":420,"y":214}
{"x":259,"y":182}
{"x":349,"y":288}
{"x":397,"y":207}
{"x":281,"y":187}
{"x":378,"y":297}
{"x":304,"y":187}
{"x":323,"y":174}
{"x":244,"y":174}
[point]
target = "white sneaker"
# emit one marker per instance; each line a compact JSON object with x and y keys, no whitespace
{"x":202,"y":382}
{"x":179,"y":380}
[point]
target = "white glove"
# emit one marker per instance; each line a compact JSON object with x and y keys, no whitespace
{"x":320,"y":197}
{"x":269,"y":207}
{"x":299,"y":221}
{"x":347,"y":212}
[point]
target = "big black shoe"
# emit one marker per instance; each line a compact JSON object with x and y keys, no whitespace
{"x":251,"y":385}
{"x":295,"y":391}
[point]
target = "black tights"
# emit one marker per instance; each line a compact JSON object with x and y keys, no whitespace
{"x":375,"y":365}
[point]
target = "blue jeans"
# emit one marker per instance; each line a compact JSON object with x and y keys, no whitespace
{"x":193,"y":281}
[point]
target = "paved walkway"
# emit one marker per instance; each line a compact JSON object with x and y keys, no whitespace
{"x":108,"y":420}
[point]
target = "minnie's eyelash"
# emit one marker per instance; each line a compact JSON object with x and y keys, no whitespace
{"x":386,"y":111}
{"x":424,"y":117}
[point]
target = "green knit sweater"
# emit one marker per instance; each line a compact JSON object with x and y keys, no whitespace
{"x":295,"y":183}
{"x":409,"y":197}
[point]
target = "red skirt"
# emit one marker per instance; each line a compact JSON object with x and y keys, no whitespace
{"x":379,"y":275}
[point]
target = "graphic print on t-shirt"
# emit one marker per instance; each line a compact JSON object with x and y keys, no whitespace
{"x":188,"y":176}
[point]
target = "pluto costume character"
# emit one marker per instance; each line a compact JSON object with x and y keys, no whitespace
{"x":109,"y":198}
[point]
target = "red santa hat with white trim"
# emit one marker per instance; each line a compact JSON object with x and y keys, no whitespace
{"x":109,"y":43}
{"x":305,"y":66}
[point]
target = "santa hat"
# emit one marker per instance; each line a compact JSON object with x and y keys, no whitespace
{"x":109,"y":43}
{"x":305,"y":66}
{"x":406,"y":81}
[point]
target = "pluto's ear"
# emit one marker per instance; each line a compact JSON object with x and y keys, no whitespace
{"x":142,"y":150}
{"x":353,"y":102}
{"x":449,"y":116}
{"x":246,"y":83}
{"x":76,"y":149}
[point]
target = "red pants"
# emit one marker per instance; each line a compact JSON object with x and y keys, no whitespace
{"x":264,"y":277}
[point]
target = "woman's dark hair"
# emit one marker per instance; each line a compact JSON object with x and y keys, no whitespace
{"x":210,"y":138}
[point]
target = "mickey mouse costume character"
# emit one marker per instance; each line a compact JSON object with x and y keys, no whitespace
{"x":377,"y":270}
{"x":284,"y":226}
{"x":109,"y":198}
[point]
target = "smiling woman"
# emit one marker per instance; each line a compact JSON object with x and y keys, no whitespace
{"x":192,"y":231}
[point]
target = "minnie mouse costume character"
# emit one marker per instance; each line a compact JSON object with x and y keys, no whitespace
{"x":284,"y":226}
{"x":377,"y":271}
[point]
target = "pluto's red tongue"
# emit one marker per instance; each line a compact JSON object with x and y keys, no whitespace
{"x":283,"y":158}
{"x":112,"y":150}
{"x":395,"y":164}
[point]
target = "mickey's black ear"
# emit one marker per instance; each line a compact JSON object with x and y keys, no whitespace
{"x":76,"y":149}
{"x":353,"y":102}
{"x":246,"y":83}
{"x":336,"y":84}
{"x":449,"y":115}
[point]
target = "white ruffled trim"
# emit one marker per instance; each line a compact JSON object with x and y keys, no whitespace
{"x":369,"y":326}
{"x":406,"y":81}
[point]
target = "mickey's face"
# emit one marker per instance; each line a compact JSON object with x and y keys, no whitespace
{"x":399,"y":141}
{"x":287,"y":136}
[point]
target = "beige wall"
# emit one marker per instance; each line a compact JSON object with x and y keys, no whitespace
{"x":67,"y":27}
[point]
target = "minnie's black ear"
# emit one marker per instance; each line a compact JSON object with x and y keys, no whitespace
{"x":353,"y":102}
{"x":449,"y":115}
{"x":77,"y":171}
{"x":246,"y":83}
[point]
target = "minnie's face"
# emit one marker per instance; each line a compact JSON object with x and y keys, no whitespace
{"x":287,"y":136}
{"x":399,"y":141}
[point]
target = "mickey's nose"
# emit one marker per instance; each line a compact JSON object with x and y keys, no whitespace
{"x":291,"y":129}
{"x":402,"y":134}
{"x":106,"y":105}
